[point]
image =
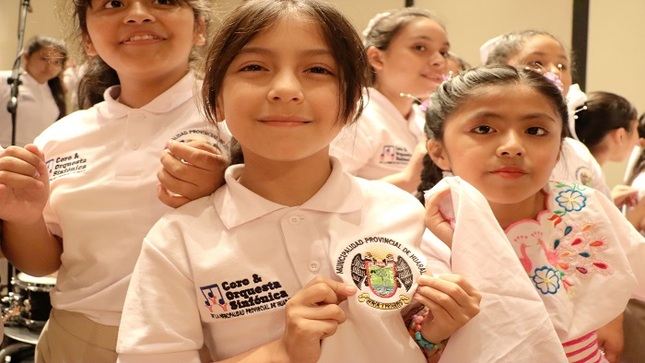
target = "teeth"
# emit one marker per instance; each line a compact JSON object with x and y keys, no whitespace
{"x":141,"y":37}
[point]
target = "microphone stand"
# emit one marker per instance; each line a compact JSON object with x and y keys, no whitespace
{"x":12,"y":105}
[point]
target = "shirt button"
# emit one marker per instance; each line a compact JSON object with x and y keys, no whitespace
{"x":294,"y":220}
{"x":135,"y":145}
{"x":314,"y":266}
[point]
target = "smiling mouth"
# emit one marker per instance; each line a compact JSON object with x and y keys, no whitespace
{"x":140,"y":38}
{"x":433,"y":77}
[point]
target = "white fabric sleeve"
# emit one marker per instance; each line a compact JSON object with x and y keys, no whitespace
{"x":482,"y":254}
{"x":160,"y":320}
{"x":632,"y":242}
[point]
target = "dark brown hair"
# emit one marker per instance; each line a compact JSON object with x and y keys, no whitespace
{"x":603,"y":112}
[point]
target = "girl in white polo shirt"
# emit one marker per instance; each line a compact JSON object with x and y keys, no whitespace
{"x":98,"y":167}
{"x":406,"y":50}
{"x":293,"y":259}
{"x":41,"y":98}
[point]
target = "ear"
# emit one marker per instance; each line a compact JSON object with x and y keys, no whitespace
{"x":618,"y":135}
{"x":219,"y":110}
{"x":88,"y":46}
{"x":438,"y":154}
{"x":199,"y":38}
{"x":375,"y":57}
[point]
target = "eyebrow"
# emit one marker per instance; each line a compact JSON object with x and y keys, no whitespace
{"x":543,"y":54}
{"x":528,"y":117}
{"x":425,"y":37}
{"x":265,"y":51}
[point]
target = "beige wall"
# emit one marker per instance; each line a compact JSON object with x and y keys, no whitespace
{"x":615,"y":50}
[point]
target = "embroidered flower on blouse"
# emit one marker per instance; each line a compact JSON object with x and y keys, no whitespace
{"x":546,"y":279}
{"x":571,"y":200}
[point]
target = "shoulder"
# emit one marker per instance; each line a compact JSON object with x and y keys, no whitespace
{"x":70,"y":124}
{"x":197,"y":216}
{"x":573,"y":147}
{"x":383,"y":193}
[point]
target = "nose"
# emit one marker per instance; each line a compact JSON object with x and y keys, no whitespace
{"x":285,"y":87}
{"x":510,"y":146}
{"x":138,"y":12}
{"x":438,"y":60}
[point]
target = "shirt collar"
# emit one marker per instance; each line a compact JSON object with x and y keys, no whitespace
{"x":340,"y":194}
{"x":185,"y":89}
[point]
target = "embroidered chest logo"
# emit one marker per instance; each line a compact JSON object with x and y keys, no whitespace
{"x":583,"y":175}
{"x":384,"y":271}
{"x":66,"y":164}
{"x":199,"y":135}
{"x":393,"y":154}
{"x":245,"y":296}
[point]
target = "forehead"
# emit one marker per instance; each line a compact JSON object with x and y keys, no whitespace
{"x":422,"y":27}
{"x":508,"y":100}
{"x":49,"y":51}
{"x":289,"y":28}
{"x":542,"y":44}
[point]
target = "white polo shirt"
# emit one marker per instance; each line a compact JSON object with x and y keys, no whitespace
{"x":36,"y":109}
{"x":219,"y":271}
{"x":381,"y":141}
{"x":102,"y":164}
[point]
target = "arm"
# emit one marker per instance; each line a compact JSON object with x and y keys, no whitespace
{"x":189,"y":171}
{"x":624,"y":195}
{"x":611,"y":339}
{"x":24,"y":190}
{"x":636,"y":215}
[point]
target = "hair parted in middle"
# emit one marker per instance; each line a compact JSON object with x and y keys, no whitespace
{"x":457,"y":91}
{"x":254,"y":16}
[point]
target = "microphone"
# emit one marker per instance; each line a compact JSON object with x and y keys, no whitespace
{"x":12,"y":104}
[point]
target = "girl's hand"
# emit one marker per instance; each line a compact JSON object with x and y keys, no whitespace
{"x":24,"y":184}
{"x":624,"y":195}
{"x":313,"y":314}
{"x":189,"y":171}
{"x":435,"y":221}
{"x":611,"y":339}
{"x":636,"y":215}
{"x":451,"y":301}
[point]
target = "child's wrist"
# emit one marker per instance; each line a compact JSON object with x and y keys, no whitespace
{"x":428,"y":347}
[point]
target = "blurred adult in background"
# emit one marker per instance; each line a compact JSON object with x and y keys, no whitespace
{"x":41,"y":96}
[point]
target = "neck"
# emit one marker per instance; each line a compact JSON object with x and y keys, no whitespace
{"x":137,"y":92}
{"x":507,"y":214}
{"x":40,"y":81}
{"x":289,"y":183}
{"x":601,"y":157}
{"x":401,"y":103}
